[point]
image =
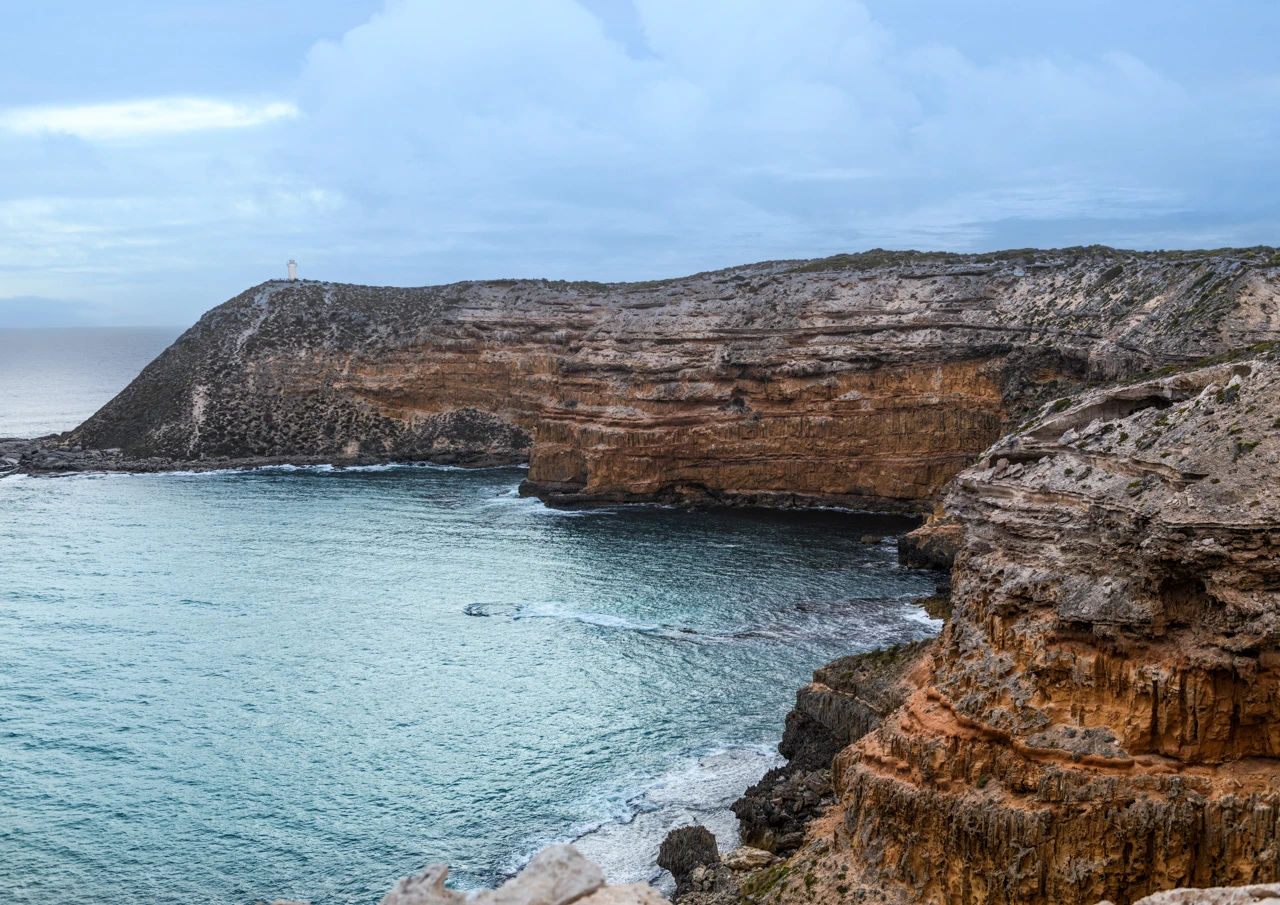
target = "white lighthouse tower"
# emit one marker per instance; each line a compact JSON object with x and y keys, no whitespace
{"x":293,"y":269}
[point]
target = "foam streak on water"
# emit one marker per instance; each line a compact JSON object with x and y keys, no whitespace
{"x":306,"y":683}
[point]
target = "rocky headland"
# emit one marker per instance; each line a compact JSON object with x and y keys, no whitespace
{"x":1093,"y":435}
{"x":1097,"y":720}
{"x":863,"y":380}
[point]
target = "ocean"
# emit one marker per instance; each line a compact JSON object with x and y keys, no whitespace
{"x":306,"y":683}
{"x":52,"y":379}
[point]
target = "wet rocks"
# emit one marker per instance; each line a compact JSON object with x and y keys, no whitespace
{"x":774,"y":812}
{"x":933,"y":545}
{"x":847,"y":699}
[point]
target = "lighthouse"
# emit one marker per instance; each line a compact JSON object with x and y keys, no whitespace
{"x":293,"y":269}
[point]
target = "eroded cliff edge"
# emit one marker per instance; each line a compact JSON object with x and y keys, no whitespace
{"x":863,"y":380}
{"x":1098,"y":718}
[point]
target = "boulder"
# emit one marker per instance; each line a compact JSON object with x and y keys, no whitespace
{"x":687,"y":848}
{"x":558,"y":875}
{"x":744,"y":857}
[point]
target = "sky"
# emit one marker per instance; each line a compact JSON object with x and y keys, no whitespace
{"x":157,"y":158}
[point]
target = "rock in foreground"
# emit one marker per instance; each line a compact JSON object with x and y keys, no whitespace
{"x":558,"y":875}
{"x":1230,"y":895}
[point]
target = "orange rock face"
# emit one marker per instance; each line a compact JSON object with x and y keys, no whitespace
{"x":1099,"y":719}
{"x":865,"y":381}
{"x":892,"y":434}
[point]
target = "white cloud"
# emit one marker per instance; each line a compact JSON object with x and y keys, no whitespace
{"x":444,"y":140}
{"x":753,"y":129}
{"x":130,"y":119}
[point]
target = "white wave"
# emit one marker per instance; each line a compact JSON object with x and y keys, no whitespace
{"x":555,"y":610}
{"x":551,"y":610}
{"x":825,"y":623}
{"x":511,"y":498}
{"x":918,"y":614}
{"x":698,"y":789}
{"x":535,"y":508}
{"x":285,"y":468}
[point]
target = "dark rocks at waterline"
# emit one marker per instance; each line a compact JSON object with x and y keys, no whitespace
{"x":847,"y":699}
{"x":685,"y":849}
{"x":46,"y":456}
{"x":933,"y":545}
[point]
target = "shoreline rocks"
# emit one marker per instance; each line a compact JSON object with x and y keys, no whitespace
{"x":685,"y":850}
{"x":846,"y":700}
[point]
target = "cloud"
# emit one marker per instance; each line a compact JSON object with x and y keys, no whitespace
{"x":130,"y":119}
{"x":628,"y":139}
{"x":750,"y":129}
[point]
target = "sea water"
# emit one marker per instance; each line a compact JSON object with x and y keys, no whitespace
{"x":306,"y":683}
{"x":52,"y":379}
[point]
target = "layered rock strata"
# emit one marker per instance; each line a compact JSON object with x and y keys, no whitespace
{"x":1098,"y":719}
{"x":934,"y":544}
{"x":863,"y":380}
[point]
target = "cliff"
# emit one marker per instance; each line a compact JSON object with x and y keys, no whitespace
{"x":1097,"y":720}
{"x":863,"y":380}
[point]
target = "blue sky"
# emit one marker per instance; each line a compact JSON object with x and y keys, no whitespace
{"x":156,"y":158}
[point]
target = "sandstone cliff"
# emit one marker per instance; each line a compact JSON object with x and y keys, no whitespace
{"x":1098,"y":719}
{"x":860,"y":380}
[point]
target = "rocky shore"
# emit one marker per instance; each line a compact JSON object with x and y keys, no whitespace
{"x":50,"y":457}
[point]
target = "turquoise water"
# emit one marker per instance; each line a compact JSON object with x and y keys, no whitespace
{"x":306,"y":683}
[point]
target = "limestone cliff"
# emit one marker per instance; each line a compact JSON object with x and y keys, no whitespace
{"x":860,"y":380}
{"x":1098,"y":719}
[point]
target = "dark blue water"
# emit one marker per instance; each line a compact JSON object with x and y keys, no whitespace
{"x":305,"y":684}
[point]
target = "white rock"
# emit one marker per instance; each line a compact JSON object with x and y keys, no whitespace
{"x":744,"y":857}
{"x":1268,"y":894}
{"x":626,"y":894}
{"x":557,"y":875}
{"x":427,"y":888}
